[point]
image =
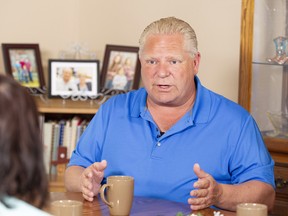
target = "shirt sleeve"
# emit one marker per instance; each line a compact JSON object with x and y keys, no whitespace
{"x":251,"y":159}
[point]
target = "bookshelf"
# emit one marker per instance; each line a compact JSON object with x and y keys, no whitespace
{"x":56,"y":110}
{"x":60,"y":106}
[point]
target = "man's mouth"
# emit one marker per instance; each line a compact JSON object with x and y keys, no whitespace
{"x":163,"y":86}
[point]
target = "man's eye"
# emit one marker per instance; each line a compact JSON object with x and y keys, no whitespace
{"x":151,"y":62}
{"x":174,"y":62}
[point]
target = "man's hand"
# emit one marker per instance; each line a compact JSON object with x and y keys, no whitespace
{"x":207,"y":191}
{"x":91,"y":179}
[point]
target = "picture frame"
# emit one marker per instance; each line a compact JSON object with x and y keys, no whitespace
{"x":23,"y":63}
{"x":121,"y":68}
{"x":73,"y":78}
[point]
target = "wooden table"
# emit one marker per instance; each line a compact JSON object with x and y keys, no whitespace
{"x":141,"y":206}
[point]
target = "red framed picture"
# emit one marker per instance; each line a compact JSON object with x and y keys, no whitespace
{"x":23,"y":63}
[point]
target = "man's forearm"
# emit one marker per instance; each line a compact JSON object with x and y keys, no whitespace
{"x":73,"y":178}
{"x":252,"y":191}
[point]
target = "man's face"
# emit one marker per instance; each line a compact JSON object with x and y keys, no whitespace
{"x":67,"y":74}
{"x":168,"y":70}
{"x":82,"y":78}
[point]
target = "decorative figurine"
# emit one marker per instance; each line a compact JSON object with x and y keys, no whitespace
{"x":280,"y":45}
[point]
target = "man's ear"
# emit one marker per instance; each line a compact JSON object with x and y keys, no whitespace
{"x":196,"y":62}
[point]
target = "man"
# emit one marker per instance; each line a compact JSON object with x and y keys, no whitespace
{"x":66,"y":83}
{"x":162,"y":134}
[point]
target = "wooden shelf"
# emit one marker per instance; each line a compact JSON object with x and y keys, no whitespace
{"x":276,"y":144}
{"x":278,"y":149}
{"x":67,"y":107}
{"x":52,"y":108}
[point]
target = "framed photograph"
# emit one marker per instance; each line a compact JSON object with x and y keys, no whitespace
{"x":121,"y":68}
{"x":23,"y":62}
{"x":73,"y":77}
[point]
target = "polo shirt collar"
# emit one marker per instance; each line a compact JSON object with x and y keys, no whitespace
{"x":200,"y":111}
{"x":139,"y":105}
{"x":202,"y":107}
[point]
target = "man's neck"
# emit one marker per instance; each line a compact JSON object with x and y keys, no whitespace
{"x":166,"y":116}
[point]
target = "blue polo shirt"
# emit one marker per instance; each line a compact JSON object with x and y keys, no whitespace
{"x":217,"y":133}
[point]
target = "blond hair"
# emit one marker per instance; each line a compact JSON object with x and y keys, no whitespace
{"x":171,"y":25}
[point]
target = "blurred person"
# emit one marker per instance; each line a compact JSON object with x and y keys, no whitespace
{"x":66,"y":83}
{"x":115,"y":65}
{"x":23,"y":180}
{"x":129,"y":73}
{"x":119,"y":80}
{"x":83,"y":85}
{"x":29,"y":69}
{"x":18,"y":69}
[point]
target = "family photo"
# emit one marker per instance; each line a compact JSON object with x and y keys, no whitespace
{"x":24,"y":67}
{"x":121,"y":70}
{"x":73,"y":77}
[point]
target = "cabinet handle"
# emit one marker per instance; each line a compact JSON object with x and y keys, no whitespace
{"x":280,"y":183}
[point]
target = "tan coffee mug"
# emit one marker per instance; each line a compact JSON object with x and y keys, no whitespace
{"x":252,"y":209}
{"x":67,"y":208}
{"x":119,"y":194}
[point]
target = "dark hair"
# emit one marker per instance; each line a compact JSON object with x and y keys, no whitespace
{"x":22,"y":172}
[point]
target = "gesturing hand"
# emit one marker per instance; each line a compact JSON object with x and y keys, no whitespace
{"x":91,"y":179}
{"x":207,"y":190}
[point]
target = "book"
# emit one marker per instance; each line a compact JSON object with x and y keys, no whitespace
{"x":47,"y":134}
{"x":74,"y":124}
{"x":61,"y":124}
{"x":67,"y":135}
{"x":55,"y":145}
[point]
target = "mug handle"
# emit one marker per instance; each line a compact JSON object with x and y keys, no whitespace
{"x":102,"y":195}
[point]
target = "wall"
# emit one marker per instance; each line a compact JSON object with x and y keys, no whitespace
{"x":56,"y":25}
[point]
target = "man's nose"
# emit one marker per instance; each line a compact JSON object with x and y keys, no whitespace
{"x":163,"y":70}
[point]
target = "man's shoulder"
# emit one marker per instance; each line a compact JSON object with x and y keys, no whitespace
{"x":228,"y":108}
{"x":216,"y":101}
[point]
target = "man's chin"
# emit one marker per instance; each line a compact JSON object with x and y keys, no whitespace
{"x":165,"y":101}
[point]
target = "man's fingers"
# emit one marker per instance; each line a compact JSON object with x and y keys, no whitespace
{"x":87,"y":191}
{"x":100,"y":166}
{"x":198,"y":207}
{"x":207,"y":190}
{"x":86,"y":197}
{"x":198,"y":203}
{"x":91,"y":179}
{"x":87,"y":183}
{"x":199,"y":193}
{"x":199,"y":172}
{"x":202,"y":183}
{"x":87,"y":173}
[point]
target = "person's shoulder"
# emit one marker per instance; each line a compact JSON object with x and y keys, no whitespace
{"x":228,"y":105}
{"x":216,"y":100}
